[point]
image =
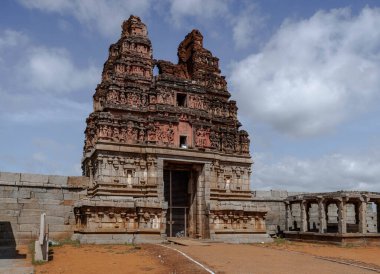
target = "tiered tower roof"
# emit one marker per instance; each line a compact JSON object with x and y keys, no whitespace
{"x":186,"y":106}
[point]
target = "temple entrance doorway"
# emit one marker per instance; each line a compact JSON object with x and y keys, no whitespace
{"x":180,"y":193}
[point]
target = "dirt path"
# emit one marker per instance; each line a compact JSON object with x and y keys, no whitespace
{"x":366,"y":255}
{"x":228,"y":258}
{"x":116,"y":259}
{"x":281,"y":257}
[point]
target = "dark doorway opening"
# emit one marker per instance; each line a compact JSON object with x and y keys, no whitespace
{"x":183,"y":141}
{"x":181,"y":100}
{"x":176,"y":192}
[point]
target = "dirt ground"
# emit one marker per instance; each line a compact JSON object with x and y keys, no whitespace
{"x":116,"y":259}
{"x":366,"y":256}
{"x":284,"y":257}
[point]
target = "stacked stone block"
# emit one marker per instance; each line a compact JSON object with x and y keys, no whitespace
{"x":23,"y":197}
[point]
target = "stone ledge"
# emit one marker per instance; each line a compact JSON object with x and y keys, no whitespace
{"x":10,"y":176}
{"x":38,"y":185}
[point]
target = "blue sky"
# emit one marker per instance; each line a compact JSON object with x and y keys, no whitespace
{"x":305,"y":74}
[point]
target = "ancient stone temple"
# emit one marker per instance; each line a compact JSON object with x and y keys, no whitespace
{"x":164,"y":153}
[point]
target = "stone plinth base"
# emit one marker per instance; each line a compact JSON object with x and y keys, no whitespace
{"x":335,"y":238}
{"x":241,"y":238}
{"x":117,"y":238}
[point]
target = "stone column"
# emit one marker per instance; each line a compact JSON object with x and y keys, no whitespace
{"x":288,"y":216}
{"x":303,"y":227}
{"x":200,"y":203}
{"x":378,"y":216}
{"x":363,"y":215}
{"x":322,"y":216}
{"x":91,"y":175}
{"x":342,"y":212}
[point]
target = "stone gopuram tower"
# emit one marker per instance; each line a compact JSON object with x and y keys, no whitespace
{"x":164,"y":153}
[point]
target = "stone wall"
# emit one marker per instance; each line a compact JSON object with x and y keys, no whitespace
{"x":23,"y":197}
{"x":274,"y":201}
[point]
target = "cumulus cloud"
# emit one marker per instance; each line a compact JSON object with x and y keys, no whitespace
{"x":10,"y":38}
{"x":43,"y":155}
{"x":331,"y":172}
{"x":246,"y":25}
{"x":102,"y":15}
{"x":180,"y":9}
{"x":243,"y":19}
{"x":33,"y":108}
{"x":313,"y":73}
{"x":36,"y":83}
{"x":52,"y":70}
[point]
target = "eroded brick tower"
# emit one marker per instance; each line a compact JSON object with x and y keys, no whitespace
{"x":164,"y":153}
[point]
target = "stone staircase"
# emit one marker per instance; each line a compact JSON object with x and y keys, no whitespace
{"x":14,"y":260}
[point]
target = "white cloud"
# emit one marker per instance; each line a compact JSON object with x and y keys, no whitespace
{"x":329,"y":173}
{"x":180,"y":9}
{"x":52,"y":70}
{"x":313,"y":73}
{"x":10,"y":38}
{"x":243,"y":18}
{"x":102,"y":15}
{"x":39,"y":157}
{"x":38,"y":84}
{"x":32,"y":108}
{"x":246,"y":25}
{"x":106,"y":16}
{"x":47,"y":5}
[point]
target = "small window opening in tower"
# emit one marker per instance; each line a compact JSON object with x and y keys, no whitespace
{"x":181,"y":100}
{"x":155,"y":71}
{"x":182,"y":141}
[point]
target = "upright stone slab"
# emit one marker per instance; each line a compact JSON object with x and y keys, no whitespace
{"x":41,"y":246}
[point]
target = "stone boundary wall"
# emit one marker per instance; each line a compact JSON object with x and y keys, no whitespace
{"x":274,"y":201}
{"x":23,"y":197}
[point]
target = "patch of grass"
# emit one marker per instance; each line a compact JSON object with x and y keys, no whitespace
{"x":32,"y":252}
{"x":280,"y":241}
{"x":68,"y":241}
{"x":34,"y":262}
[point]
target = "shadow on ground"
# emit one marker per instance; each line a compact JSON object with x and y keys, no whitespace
{"x":8,"y":248}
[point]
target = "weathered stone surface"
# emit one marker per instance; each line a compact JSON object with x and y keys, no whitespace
{"x":55,"y":220}
{"x":28,"y":220}
{"x":8,"y":201}
{"x":29,"y":228}
{"x":34,"y":178}
{"x":10,"y":177}
{"x":58,"y":180}
{"x":78,"y":181}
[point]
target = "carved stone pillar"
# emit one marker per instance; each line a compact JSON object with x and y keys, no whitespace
{"x":342,"y":212}
{"x":303,"y":216}
{"x":288,"y":216}
{"x":378,"y":216}
{"x":322,"y":216}
{"x":363,"y":215}
{"x":91,"y":170}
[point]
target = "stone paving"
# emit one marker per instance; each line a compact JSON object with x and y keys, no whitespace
{"x":14,"y":261}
